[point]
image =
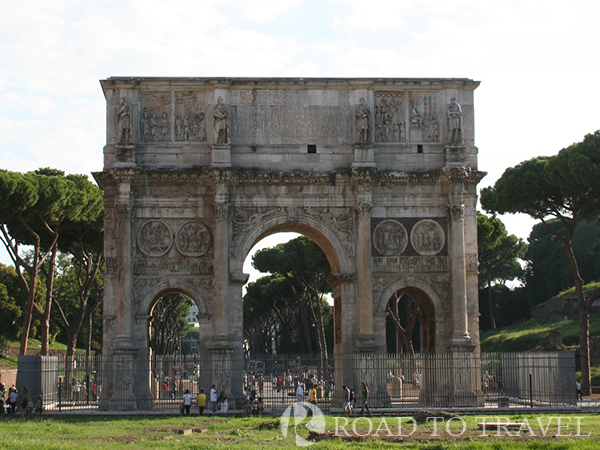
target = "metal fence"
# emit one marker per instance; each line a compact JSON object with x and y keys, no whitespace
{"x":396,"y":383}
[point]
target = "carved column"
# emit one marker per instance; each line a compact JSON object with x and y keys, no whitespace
{"x":364,"y":270}
{"x":124,"y":350}
{"x":460,"y":336}
{"x":221,"y":240}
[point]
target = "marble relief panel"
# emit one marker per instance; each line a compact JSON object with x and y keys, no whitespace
{"x":155,"y":120}
{"x":424,"y":117}
{"x":190,"y":117}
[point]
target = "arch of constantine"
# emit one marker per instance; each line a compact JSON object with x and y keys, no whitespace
{"x":380,"y":173}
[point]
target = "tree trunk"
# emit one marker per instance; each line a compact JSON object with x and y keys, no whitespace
{"x":50,"y":272}
{"x":306,"y":330}
{"x":88,"y":341}
{"x":491,"y":302}
{"x":584,"y":321}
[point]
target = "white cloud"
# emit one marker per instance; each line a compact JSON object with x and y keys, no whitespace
{"x":536,"y":60}
{"x":267,"y":10}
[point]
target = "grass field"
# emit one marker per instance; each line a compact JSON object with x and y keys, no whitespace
{"x":529,"y":335}
{"x":259,"y":432}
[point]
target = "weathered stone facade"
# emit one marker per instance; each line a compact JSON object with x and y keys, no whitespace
{"x":381,"y":173}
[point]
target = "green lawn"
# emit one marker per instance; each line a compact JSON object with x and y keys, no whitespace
{"x":529,"y":335}
{"x":255,"y":433}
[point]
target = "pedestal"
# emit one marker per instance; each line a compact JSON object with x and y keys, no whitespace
{"x":125,"y":155}
{"x":121,"y":370}
{"x":221,"y":155}
{"x":364,"y":155}
{"x":455,"y":155}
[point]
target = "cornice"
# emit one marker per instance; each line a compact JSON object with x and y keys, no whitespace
{"x":240,"y":177}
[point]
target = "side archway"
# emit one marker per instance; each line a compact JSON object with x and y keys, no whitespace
{"x":170,"y":286}
{"x":428,"y":301}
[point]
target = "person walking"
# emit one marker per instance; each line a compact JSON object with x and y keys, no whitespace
{"x":201,"y":402}
{"x":365,"y":406}
{"x":346,"y":393}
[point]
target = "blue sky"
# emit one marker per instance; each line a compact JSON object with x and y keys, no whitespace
{"x":537,"y":62}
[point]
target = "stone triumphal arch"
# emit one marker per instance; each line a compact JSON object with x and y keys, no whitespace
{"x":381,"y":173}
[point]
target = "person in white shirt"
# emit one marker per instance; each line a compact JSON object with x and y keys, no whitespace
{"x":187,"y":401}
{"x":213,"y":399}
{"x":300,"y":392}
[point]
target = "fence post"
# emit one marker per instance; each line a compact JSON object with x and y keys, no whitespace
{"x":531,"y":389}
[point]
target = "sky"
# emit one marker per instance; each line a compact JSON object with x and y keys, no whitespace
{"x":537,"y":61}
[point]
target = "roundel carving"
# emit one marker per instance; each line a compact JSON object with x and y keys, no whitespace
{"x":390,"y":238}
{"x":155,"y":238}
{"x":427,"y":237}
{"x":193,"y":239}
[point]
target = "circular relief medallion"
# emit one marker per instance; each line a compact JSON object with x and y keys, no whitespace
{"x":155,"y":238}
{"x":193,"y":239}
{"x":390,"y":238}
{"x":427,"y":237}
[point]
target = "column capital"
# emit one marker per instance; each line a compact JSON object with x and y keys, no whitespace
{"x":457,"y":212}
{"x":364,"y":210}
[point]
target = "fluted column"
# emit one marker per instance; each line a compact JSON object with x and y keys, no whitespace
{"x":459,"y":274}
{"x":124,"y":291}
{"x":221,"y":240}
{"x":363,"y":267}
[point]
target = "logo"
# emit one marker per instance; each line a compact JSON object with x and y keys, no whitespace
{"x":295,"y":414}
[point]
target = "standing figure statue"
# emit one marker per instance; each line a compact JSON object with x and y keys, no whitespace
{"x":455,"y":130}
{"x":221,"y":125}
{"x":363,"y":130}
{"x":124,"y":117}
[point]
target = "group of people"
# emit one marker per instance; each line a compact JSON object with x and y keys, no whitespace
{"x":287,"y":380}
{"x":14,"y":402}
{"x":215,"y":398}
{"x":350,"y":399}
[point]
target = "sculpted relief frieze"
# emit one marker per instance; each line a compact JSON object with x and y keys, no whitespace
{"x":390,"y":124}
{"x":155,"y":238}
{"x":244,"y":220}
{"x":409,"y":237}
{"x":390,"y":238}
{"x":172,"y":266}
{"x":190,"y":120}
{"x":427,"y":237}
{"x":424,"y":118}
{"x":155,"y":121}
{"x":411,"y":264}
{"x":193,"y":239}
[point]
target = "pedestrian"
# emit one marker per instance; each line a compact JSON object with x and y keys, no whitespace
{"x":352,"y":400}
{"x":346,"y":394}
{"x":12,"y":399}
{"x":2,"y":398}
{"x":187,"y":401}
{"x":578,"y":388}
{"x":23,"y":401}
{"x":213,"y":399}
{"x":201,"y":402}
{"x":365,"y":406}
{"x":300,"y":393}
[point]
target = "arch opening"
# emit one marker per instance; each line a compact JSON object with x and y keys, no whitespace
{"x":288,"y":302}
{"x":410,"y":322}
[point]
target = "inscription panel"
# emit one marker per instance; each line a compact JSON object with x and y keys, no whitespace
{"x":282,"y":116}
